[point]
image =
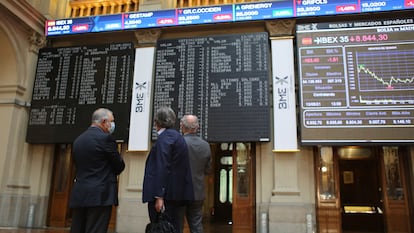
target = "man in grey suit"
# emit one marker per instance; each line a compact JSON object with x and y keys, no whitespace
{"x":200,"y":163}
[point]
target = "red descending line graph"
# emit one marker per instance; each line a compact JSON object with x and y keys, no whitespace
{"x":385,"y":70}
{"x":385,"y":74}
{"x":388,"y":83}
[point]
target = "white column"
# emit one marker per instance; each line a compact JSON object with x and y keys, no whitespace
{"x":284,"y":101}
{"x":140,"y":122}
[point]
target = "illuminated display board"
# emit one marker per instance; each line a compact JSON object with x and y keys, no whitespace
{"x":357,"y":81}
{"x":326,"y":7}
{"x":224,"y":80}
{"x":220,"y":14}
{"x":71,"y":82}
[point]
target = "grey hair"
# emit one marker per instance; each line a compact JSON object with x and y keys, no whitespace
{"x":191,"y":125}
{"x":100,"y":115}
{"x":165,"y":117}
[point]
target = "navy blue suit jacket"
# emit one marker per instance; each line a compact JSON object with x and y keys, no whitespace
{"x":167,"y":169}
{"x":97,"y":163}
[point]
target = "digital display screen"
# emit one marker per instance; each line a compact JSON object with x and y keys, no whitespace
{"x":148,"y":19}
{"x":326,"y":7}
{"x":213,"y":14}
{"x":224,"y":80}
{"x":263,"y":10}
{"x":71,"y":82}
{"x":219,"y":14}
{"x":356,"y":81}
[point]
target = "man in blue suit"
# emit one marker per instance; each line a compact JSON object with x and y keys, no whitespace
{"x":167,"y":180}
{"x":95,"y":187}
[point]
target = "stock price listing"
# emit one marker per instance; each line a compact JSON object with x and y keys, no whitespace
{"x":357,"y":81}
{"x":222,"y":79}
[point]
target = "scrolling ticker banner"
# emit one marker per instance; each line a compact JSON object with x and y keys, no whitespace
{"x":220,"y":14}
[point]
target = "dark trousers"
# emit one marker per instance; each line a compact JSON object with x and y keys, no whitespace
{"x":174,"y":212}
{"x":194,"y":215}
{"x":90,"y":219}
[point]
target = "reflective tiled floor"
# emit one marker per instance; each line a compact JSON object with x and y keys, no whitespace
{"x":208,"y":228}
{"x":26,"y":230}
{"x":217,"y":228}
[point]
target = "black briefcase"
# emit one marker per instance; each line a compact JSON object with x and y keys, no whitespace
{"x":160,"y":225}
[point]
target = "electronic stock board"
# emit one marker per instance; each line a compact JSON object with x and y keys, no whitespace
{"x":357,"y":81}
{"x":220,"y":14}
{"x":71,"y":82}
{"x":224,"y":80}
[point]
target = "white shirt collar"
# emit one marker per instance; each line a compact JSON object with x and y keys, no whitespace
{"x":160,"y":131}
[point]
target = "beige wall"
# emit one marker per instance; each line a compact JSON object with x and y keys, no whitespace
{"x":52,"y":9}
{"x":293,"y":194}
{"x":25,"y":170}
{"x":132,"y":213}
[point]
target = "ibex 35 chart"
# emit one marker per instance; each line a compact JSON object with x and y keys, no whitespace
{"x":357,"y":81}
{"x":385,"y":74}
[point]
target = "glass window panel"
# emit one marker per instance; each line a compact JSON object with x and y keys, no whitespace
{"x":326,"y":174}
{"x":223,"y":186}
{"x":243,"y":169}
{"x":243,"y":182}
{"x":226,"y":160}
{"x":231,"y":185}
{"x":395,"y":189}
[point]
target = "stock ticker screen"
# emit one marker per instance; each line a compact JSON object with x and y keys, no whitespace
{"x":71,"y":82}
{"x":357,"y":81}
{"x":223,"y":79}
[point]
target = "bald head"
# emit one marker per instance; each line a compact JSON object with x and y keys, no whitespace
{"x":189,"y":124}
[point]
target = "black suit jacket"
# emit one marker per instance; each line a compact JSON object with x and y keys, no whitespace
{"x":97,"y":163}
{"x":167,"y":169}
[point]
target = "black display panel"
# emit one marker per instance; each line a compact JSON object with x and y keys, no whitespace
{"x":224,"y":80}
{"x":357,"y":81}
{"x":71,"y":82}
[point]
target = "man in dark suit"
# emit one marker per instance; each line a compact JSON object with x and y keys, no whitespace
{"x":95,"y":187}
{"x":200,"y":162}
{"x":167,"y":179}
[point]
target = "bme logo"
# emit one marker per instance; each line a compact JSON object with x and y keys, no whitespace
{"x":140,"y":96}
{"x":281,"y":81}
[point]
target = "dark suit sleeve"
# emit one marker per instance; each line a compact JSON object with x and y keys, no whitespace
{"x":208,"y":168}
{"x":163,"y":166}
{"x":113,"y":156}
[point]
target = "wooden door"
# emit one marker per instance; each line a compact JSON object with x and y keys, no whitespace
{"x":59,"y":214}
{"x":396,"y":192}
{"x":244,"y":189}
{"x":234,"y":195}
{"x":223,"y":184}
{"x":328,"y":211}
